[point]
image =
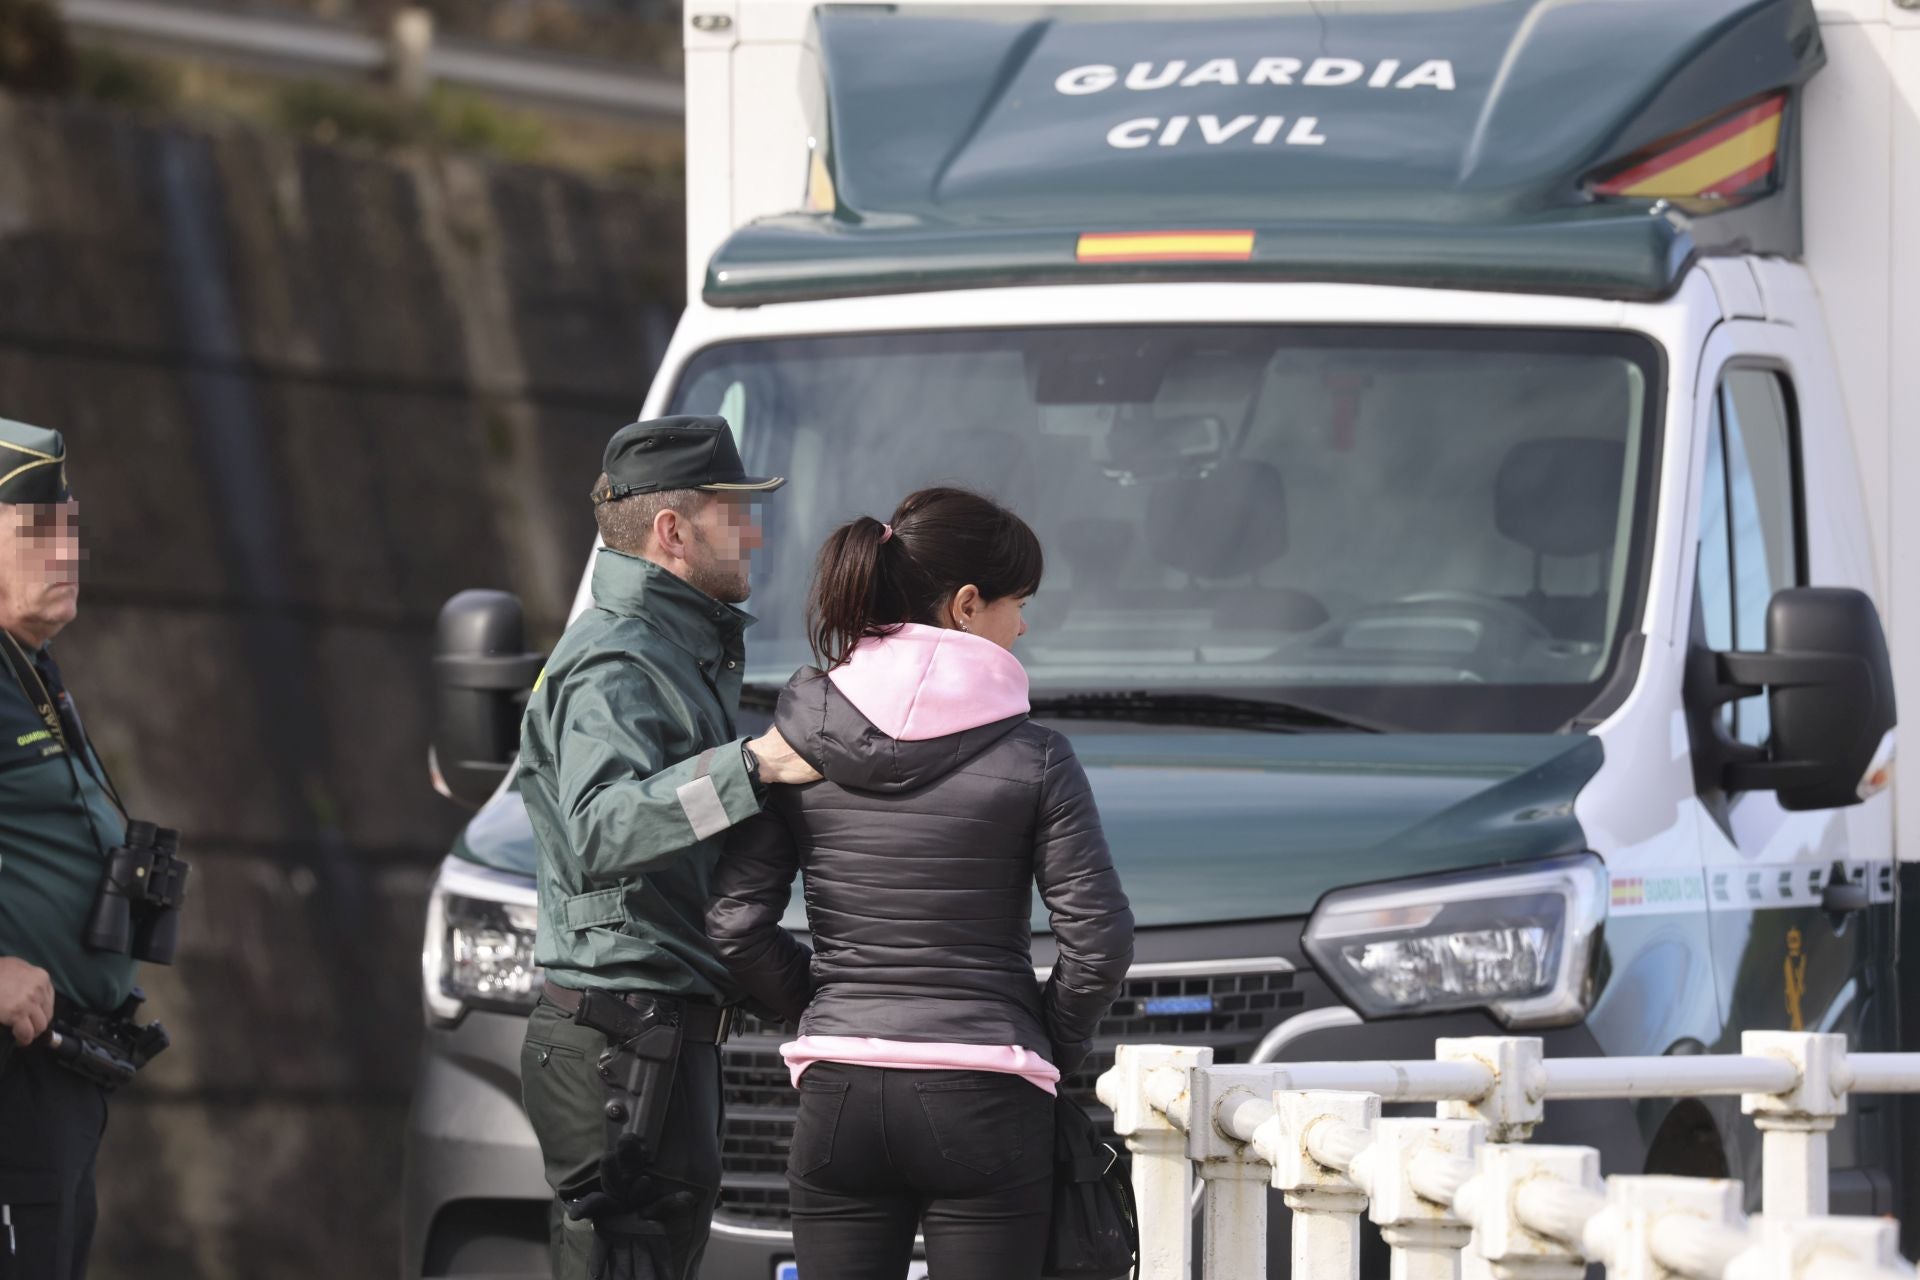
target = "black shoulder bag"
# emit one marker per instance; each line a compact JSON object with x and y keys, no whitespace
{"x":1096,"y":1231}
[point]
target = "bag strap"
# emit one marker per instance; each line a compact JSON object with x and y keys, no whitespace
{"x":1092,"y":1166}
{"x":1077,"y":1148}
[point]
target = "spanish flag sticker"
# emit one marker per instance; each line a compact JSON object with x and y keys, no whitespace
{"x":1165,"y":246}
{"x":1721,"y":160}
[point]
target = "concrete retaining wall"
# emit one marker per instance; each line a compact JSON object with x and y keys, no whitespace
{"x":308,"y":395}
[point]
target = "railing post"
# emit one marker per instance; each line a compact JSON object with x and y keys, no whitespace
{"x":1425,"y":1234}
{"x":1513,"y":1250}
{"x":409,"y":41}
{"x":1234,"y":1208}
{"x":1512,"y":1108}
{"x":1622,"y":1237}
{"x":1803,"y":1248}
{"x":1162,"y":1174}
{"x":1794,"y":1125}
{"x":1326,"y":1203}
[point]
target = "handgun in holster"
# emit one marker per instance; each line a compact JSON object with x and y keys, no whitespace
{"x":637,"y":1066}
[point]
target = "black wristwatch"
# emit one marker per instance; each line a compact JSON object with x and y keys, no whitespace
{"x":752,"y":762}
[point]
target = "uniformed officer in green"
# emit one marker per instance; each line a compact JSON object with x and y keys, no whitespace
{"x":59,"y":817}
{"x":632,"y":766}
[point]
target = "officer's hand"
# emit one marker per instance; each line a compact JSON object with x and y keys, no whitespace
{"x":26,"y":999}
{"x":780,"y":762}
{"x":627,"y":1180}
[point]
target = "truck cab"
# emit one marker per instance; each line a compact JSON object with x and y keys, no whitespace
{"x":1461,"y":455}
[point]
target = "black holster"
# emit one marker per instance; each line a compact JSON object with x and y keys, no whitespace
{"x":638,"y":1069}
{"x":637,"y":1066}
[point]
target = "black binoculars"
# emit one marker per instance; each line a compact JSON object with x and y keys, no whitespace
{"x":137,"y":911}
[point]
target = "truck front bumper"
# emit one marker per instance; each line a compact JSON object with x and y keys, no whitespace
{"x":475,"y":1200}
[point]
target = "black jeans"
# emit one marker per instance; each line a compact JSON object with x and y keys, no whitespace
{"x":50,"y":1126}
{"x":565,"y":1100}
{"x":966,"y":1156}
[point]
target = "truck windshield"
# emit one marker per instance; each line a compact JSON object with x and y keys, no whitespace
{"x":1423,"y":529}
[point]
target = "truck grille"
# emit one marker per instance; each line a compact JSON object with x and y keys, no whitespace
{"x":1229,"y":1010}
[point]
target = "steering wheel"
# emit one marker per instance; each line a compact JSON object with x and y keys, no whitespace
{"x":1506,"y":630}
{"x":1493,"y":608}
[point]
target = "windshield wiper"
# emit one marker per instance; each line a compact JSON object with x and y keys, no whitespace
{"x":1146,"y":706}
{"x":1268,"y":714}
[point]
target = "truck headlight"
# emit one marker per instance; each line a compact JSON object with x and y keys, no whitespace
{"x":478,"y":951}
{"x":1520,"y":943}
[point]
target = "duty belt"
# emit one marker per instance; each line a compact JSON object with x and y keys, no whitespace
{"x":701,"y":1021}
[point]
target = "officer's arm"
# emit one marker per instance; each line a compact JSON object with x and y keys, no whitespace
{"x":751,"y":886}
{"x":630,"y":810}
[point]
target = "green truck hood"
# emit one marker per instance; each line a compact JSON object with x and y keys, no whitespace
{"x":1211,"y":826}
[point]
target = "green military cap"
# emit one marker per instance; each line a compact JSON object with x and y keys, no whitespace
{"x":33,"y":464}
{"x":677,"y":453}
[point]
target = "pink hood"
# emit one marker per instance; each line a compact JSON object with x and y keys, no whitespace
{"x":925,"y":682}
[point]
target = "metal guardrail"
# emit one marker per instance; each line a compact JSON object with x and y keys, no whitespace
{"x":323,"y":47}
{"x":1464,"y":1193}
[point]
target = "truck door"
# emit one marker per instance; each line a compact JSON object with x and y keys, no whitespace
{"x":1797,"y":915}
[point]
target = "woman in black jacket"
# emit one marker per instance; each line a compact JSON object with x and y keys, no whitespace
{"x":929,"y":1054}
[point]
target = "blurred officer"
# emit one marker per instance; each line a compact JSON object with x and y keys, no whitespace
{"x":631,"y":766}
{"x":66,"y":1032}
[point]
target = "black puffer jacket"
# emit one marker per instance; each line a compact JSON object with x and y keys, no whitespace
{"x":919,"y":859}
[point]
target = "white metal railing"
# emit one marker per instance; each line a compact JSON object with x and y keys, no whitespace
{"x":1463,"y":1194}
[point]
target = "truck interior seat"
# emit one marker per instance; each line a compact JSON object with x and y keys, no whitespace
{"x":988,"y":461}
{"x":1229,"y":524}
{"x":1097,"y":551}
{"x":1560,"y":497}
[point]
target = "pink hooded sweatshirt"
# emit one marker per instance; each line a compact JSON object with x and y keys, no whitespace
{"x":918,"y":684}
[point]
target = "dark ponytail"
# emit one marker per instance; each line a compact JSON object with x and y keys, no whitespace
{"x":868,"y":583}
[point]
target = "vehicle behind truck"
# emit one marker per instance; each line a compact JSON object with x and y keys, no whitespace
{"x":1462,"y":438}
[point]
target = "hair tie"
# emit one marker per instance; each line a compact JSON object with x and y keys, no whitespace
{"x":886,"y":533}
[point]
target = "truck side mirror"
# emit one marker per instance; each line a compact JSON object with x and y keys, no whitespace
{"x":482,"y":675}
{"x":1829,"y":687}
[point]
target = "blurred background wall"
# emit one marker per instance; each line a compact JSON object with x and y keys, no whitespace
{"x":309,"y":391}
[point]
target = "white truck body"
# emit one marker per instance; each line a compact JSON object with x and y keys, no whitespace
{"x":1861,"y":202}
{"x":748,"y":143}
{"x":1720,"y":911}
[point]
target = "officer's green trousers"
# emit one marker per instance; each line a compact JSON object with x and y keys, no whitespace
{"x":565,"y":1100}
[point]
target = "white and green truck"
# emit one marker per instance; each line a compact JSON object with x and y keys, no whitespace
{"x":1469,"y":438}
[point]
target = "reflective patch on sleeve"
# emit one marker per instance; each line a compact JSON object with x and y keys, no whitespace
{"x":700,"y":801}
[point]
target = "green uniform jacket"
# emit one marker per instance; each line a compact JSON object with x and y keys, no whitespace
{"x":631,"y":769}
{"x":56,"y":825}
